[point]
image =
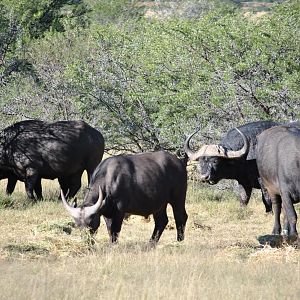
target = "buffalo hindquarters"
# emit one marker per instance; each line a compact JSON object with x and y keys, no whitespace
{"x":278,"y":161}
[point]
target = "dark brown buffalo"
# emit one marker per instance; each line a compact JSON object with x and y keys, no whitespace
{"x":141,"y":184}
{"x":229,"y":160}
{"x":278,"y":161}
{"x":33,"y":149}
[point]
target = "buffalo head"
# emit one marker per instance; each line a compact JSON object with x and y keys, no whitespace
{"x":86,"y":216}
{"x":215,"y":161}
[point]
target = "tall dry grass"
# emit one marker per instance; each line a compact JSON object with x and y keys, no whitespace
{"x":42,"y":255}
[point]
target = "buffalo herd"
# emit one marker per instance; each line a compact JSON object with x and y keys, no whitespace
{"x":263,"y":155}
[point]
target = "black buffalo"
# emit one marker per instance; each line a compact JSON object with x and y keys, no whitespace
{"x":229,"y":160}
{"x":32,"y":149}
{"x":141,"y":184}
{"x":278,"y":161}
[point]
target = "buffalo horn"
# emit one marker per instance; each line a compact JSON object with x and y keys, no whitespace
{"x":214,"y":150}
{"x":241,"y":152}
{"x":90,"y":210}
{"x":74,"y":212}
{"x":190,"y":153}
{"x":205,"y":150}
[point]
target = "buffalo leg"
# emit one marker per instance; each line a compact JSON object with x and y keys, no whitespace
{"x":276,"y":201}
{"x":286,"y":226}
{"x":161,"y":221}
{"x":245,"y":194}
{"x":180,"y":217}
{"x":265,"y":197}
{"x":74,"y":184}
{"x":291,"y":215}
{"x":38,"y":189}
{"x":91,"y":168}
{"x":116,"y":224}
{"x":64,"y":185}
{"x":30,"y":182}
{"x":108,"y":223}
{"x":11,"y":184}
{"x":267,"y":202}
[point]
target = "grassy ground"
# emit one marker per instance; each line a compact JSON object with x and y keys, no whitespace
{"x":42,"y":256}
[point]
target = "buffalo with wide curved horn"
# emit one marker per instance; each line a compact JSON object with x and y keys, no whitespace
{"x":81,"y":214}
{"x":142,"y":184}
{"x":215,"y":150}
{"x":233,"y":158}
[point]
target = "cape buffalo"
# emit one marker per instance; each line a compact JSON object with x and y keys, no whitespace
{"x":226,"y":161}
{"x":141,"y":184}
{"x":278,"y":161}
{"x":34,"y":149}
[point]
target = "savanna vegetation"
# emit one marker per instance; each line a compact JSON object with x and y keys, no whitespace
{"x":146,"y":74}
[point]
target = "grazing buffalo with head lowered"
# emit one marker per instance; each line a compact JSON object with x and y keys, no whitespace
{"x":32,"y":150}
{"x":278,"y":161}
{"x":229,"y":160}
{"x":141,"y":184}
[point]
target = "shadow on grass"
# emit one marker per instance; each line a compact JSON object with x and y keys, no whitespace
{"x":137,"y":247}
{"x":26,"y":249}
{"x":57,"y":227}
{"x":278,"y":241}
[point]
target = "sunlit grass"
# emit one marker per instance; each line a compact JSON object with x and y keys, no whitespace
{"x":43,"y":256}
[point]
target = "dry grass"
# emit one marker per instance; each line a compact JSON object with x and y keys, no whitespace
{"x":42,"y":255}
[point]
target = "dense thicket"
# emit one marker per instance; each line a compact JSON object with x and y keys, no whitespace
{"x":148,"y":74}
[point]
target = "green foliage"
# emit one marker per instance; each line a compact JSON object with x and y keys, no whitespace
{"x":6,"y":202}
{"x":22,"y":21}
{"x":221,"y":69}
{"x":117,"y":11}
{"x":147,"y":82}
{"x":38,"y":17}
{"x":16,"y":201}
